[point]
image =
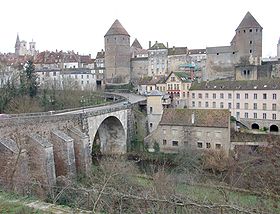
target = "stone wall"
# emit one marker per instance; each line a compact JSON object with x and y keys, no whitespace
{"x":64,"y":154}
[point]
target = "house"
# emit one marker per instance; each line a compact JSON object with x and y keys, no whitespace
{"x":156,"y":102}
{"x":255,"y":103}
{"x":158,"y":60}
{"x":200,"y":129}
{"x":177,"y":86}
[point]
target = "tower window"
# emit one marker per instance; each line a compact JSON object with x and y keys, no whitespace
{"x":251,"y":30}
{"x":233,"y":52}
{"x":251,"y":42}
{"x":250,"y":51}
{"x":244,"y":31}
{"x":217,"y":53}
{"x":256,"y":30}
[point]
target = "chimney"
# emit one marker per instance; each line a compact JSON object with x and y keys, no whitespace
{"x":193,"y":118}
{"x":150,"y":44}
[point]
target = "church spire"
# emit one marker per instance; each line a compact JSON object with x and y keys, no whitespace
{"x":17,"y":41}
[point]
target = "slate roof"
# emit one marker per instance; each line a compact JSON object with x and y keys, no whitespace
{"x":157,"y":46}
{"x":136,"y":44}
{"x":100,"y":54}
{"x":183,"y":76}
{"x":155,"y":93}
{"x":116,"y":29}
{"x":152,"y":80}
{"x":202,"y":117}
{"x":265,"y":84}
{"x":197,"y":51}
{"x":249,"y":22}
{"x":177,"y":51}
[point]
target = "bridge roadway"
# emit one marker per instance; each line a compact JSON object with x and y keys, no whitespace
{"x":130,"y":99}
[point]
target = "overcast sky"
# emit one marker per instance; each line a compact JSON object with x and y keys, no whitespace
{"x":80,"y":25}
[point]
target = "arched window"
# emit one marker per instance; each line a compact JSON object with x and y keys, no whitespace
{"x":273,"y":128}
{"x":255,"y":126}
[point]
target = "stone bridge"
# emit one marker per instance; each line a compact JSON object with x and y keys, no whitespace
{"x":61,"y":143}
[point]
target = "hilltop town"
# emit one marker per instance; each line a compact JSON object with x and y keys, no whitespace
{"x":219,"y":103}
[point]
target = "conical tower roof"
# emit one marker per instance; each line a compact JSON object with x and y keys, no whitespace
{"x":116,"y":29}
{"x":249,"y":22}
{"x":136,"y":44}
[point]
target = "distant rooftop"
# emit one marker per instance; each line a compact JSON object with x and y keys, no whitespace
{"x":116,"y":29}
{"x":249,"y":22}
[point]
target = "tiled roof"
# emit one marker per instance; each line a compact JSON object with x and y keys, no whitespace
{"x":249,"y":22}
{"x":202,"y":117}
{"x":177,"y":51}
{"x":157,"y":46}
{"x":265,"y":84}
{"x":197,"y":51}
{"x":136,"y":44}
{"x":116,"y":29}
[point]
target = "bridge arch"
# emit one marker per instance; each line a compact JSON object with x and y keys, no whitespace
{"x":109,"y":132}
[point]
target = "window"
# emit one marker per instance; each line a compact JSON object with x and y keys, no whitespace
{"x":218,"y":146}
{"x":193,"y":95}
{"x":199,"y":104}
{"x":246,"y":106}
{"x":82,"y":82}
{"x":250,"y":50}
{"x":199,"y":144}
{"x":221,"y":95}
{"x":175,"y":143}
{"x":237,"y":96}
{"x":214,"y":96}
{"x":151,"y":125}
{"x":274,"y":107}
{"x":184,"y":94}
{"x":255,"y":106}
{"x":237,"y":115}
{"x":82,"y":76}
{"x":208,"y":145}
{"x":206,"y":104}
{"x":273,"y":116}
{"x":255,"y":96}
{"x":251,"y":30}
{"x":221,"y":105}
{"x":193,"y":103}
{"x":246,"y":96}
{"x":229,"y":105}
{"x":264,"y":115}
{"x":251,"y":42}
{"x":264,"y":96}
{"x":246,"y":115}
{"x":274,"y":96}
{"x":255,"y":115}
{"x":229,"y":95}
{"x":214,"y":104}
{"x":54,"y":73}
{"x":172,"y":79}
{"x":200,"y":95}
{"x":87,"y":76}
{"x":151,"y":110}
{"x":76,"y":77}
{"x":264,"y":106}
{"x":238,"y":105}
{"x":206,"y":95}
{"x":87,"y":82}
{"x":164,"y":142}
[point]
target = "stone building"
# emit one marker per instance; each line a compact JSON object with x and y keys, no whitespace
{"x":117,"y":55}
{"x":201,"y":129}
{"x":139,"y":62}
{"x":99,"y":68}
{"x":245,"y":48}
{"x":254,"y":103}
{"x":158,"y":60}
{"x":176,"y":57}
{"x":156,"y":102}
{"x":21,"y":48}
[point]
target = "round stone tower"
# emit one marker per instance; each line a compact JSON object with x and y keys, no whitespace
{"x":117,"y":55}
{"x":248,"y":39}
